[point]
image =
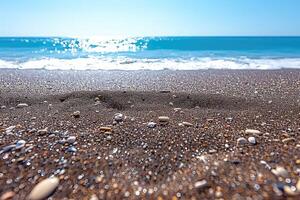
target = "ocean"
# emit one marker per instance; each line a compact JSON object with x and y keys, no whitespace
{"x":149,"y":53}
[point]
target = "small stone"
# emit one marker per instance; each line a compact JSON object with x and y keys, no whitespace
{"x":10,"y":129}
{"x":177,"y":109}
{"x":62,"y":142}
{"x":280,"y":171}
{"x":287,"y":140}
{"x":20,"y":144}
{"x":290,"y":190}
{"x":241,"y":141}
{"x":7,"y":195}
{"x":105,"y":129}
{"x":252,"y":140}
{"x":151,"y":125}
{"x":210,"y":120}
{"x":42,"y":131}
{"x":118,"y":117}
{"x":109,"y":138}
{"x":201,"y":184}
{"x":22,"y":105}
{"x":7,"y":148}
{"x":76,"y":114}
{"x":3,"y":107}
{"x":71,"y":149}
{"x":229,"y":119}
{"x":163,"y":120}
{"x":267,"y":166}
{"x":187,"y":124}
{"x":278,"y":188}
{"x":44,"y":189}
{"x":298,"y":185}
{"x":252,"y":131}
{"x":80,"y":176}
{"x":94,"y":197}
{"x":211,"y":151}
{"x":71,"y":139}
{"x":180,"y":124}
{"x":33,"y":118}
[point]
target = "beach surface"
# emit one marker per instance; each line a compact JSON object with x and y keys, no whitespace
{"x":226,"y":134}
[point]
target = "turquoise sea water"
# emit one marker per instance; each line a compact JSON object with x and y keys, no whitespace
{"x":153,"y":53}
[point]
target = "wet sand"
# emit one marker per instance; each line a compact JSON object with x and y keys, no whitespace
{"x":213,"y":156}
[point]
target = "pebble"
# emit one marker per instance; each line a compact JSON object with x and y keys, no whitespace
{"x":211,"y":151}
{"x":71,"y":139}
{"x":280,"y":171}
{"x":298,"y":185}
{"x":252,"y":140}
{"x":210,"y":120}
{"x":252,"y":131}
{"x":7,"y":148}
{"x":229,"y":119}
{"x":287,"y":140}
{"x":22,"y":105}
{"x":118,"y":117}
{"x":187,"y":124}
{"x":201,"y":184}
{"x":3,"y":107}
{"x":290,"y":190}
{"x":7,"y":195}
{"x":105,"y":129}
{"x":109,"y":138}
{"x":177,"y":109}
{"x":44,"y":189}
{"x":20,"y":144}
{"x":63,"y":141}
{"x":151,"y":125}
{"x":94,"y":197}
{"x":76,"y":114}
{"x":42,"y":131}
{"x":71,"y":149}
{"x":9,"y":129}
{"x":163,"y":119}
{"x":267,"y":166}
{"x":241,"y":141}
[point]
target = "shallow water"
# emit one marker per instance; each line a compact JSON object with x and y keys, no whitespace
{"x":153,"y":53}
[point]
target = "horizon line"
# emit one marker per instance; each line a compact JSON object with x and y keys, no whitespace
{"x":117,"y":36}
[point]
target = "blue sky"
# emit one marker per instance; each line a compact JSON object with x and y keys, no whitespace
{"x":149,"y":17}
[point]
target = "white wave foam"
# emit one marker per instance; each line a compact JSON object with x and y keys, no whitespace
{"x":124,"y":63}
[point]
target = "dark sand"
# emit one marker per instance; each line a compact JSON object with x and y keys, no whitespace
{"x":166,"y":162}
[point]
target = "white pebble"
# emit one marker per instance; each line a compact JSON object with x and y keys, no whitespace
{"x":71,"y":139}
{"x":252,"y":140}
{"x":22,"y":105}
{"x":252,"y":131}
{"x":44,"y":189}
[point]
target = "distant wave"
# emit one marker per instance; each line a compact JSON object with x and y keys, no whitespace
{"x":94,"y":63}
{"x":150,"y":53}
{"x":104,"y":44}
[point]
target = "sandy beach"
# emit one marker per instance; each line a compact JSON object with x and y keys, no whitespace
{"x":227,"y":134}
